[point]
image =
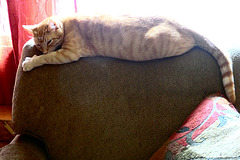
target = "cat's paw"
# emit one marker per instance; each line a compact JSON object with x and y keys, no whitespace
{"x":28,"y":64}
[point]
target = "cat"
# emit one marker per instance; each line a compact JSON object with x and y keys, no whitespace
{"x":64,"y":40}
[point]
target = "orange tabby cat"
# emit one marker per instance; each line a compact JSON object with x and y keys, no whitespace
{"x":64,"y":40}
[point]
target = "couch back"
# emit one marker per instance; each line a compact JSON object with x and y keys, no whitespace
{"x":104,"y":108}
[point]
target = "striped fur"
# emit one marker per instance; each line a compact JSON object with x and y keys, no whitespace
{"x":125,"y":37}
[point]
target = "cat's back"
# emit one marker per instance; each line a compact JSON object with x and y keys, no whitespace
{"x":127,"y":37}
{"x":124,"y":21}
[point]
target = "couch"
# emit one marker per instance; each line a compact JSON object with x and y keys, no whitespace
{"x":105,"y":108}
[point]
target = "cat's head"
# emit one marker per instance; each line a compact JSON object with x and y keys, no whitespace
{"x":48,"y":35}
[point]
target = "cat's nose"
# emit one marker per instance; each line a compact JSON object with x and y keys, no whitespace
{"x":45,"y":51}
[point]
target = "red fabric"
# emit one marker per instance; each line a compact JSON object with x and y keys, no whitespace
{"x":22,"y":12}
{"x":28,"y":12}
{"x":214,"y":115}
{"x":7,"y":63}
{"x":19,"y":12}
{"x":203,"y":117}
{"x":7,"y":71}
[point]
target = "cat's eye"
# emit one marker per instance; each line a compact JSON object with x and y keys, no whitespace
{"x":38,"y":46}
{"x":49,"y":42}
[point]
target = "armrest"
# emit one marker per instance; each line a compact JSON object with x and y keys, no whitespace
{"x":24,"y":147}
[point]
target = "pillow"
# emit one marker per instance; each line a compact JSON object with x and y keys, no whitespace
{"x":212,"y":131}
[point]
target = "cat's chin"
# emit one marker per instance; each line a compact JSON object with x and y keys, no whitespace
{"x":45,"y":53}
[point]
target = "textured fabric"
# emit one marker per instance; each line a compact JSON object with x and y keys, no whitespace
{"x":210,"y":132}
{"x":96,"y":108}
{"x":24,"y":147}
{"x":104,"y":108}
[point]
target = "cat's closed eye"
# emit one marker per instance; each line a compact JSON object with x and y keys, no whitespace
{"x":49,"y":42}
{"x":38,"y":46}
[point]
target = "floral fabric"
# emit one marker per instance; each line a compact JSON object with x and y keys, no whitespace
{"x":212,"y":131}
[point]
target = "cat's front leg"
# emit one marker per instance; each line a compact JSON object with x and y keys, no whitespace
{"x":60,"y":56}
{"x":31,"y":62}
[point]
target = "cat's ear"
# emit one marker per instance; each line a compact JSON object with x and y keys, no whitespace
{"x":52,"y":25}
{"x":29,"y":28}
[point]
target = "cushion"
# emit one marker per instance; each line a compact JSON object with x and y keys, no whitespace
{"x":103,"y":108}
{"x":211,"y":132}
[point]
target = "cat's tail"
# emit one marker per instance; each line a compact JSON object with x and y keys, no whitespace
{"x":224,"y":62}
